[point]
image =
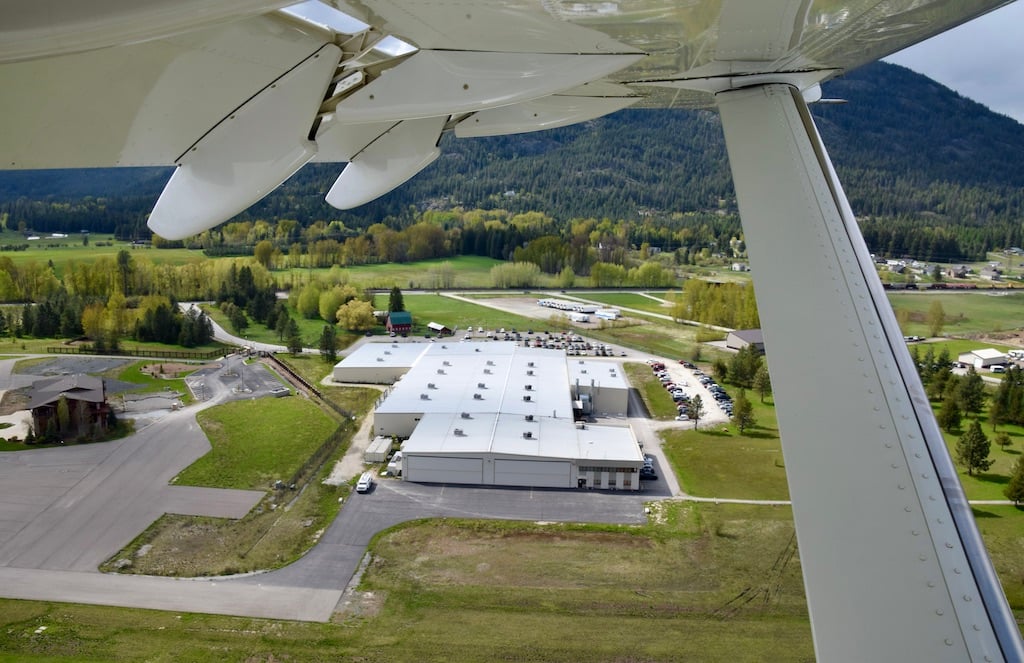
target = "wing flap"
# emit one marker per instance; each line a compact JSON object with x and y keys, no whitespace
{"x":248,"y":154}
{"x":392,"y":159}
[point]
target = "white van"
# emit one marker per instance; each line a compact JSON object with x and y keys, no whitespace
{"x":365,"y":482}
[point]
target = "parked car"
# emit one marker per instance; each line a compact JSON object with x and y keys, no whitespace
{"x":365,"y":482}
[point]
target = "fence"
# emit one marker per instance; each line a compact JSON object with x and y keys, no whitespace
{"x":205,"y":355}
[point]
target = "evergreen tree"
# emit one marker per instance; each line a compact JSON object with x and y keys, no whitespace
{"x":396,"y":303}
{"x":949,"y":414}
{"x":972,"y":449}
{"x":971,"y":392}
{"x":743,"y":412}
{"x":1004,"y":441}
{"x":1015,"y":488}
{"x":329,"y":344}
{"x":294,"y":338}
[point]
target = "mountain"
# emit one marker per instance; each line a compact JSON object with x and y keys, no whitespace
{"x":905,"y":147}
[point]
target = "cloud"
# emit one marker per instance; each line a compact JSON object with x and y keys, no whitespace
{"x":980,"y":60}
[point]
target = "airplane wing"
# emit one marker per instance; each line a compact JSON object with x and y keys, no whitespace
{"x":239,"y":94}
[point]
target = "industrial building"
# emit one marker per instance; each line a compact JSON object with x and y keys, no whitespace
{"x":500,"y":414}
{"x":984,"y":358}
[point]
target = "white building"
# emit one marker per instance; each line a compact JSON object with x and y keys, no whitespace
{"x":502,"y":414}
{"x":983,"y":358}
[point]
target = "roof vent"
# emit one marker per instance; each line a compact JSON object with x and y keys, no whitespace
{"x":529,"y":372}
{"x":424,"y":397}
{"x":529,"y":363}
{"x":431,"y":385}
{"x":481,"y":385}
{"x":445,"y":362}
{"x":478,"y":397}
{"x":465,"y":415}
{"x":529,"y":417}
{"x":387,"y":352}
{"x":526,"y":397}
{"x":487,"y":371}
{"x":527,"y":434}
{"x":476,"y":349}
{"x":582,"y":362}
{"x":380,"y":358}
{"x":490,"y":363}
{"x":583,"y":370}
{"x":440,"y":371}
{"x":529,"y":387}
{"x":444,"y":347}
{"x":458,"y":432}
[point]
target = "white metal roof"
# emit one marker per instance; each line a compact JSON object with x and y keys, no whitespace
{"x":384,"y":355}
{"x":604,"y":374}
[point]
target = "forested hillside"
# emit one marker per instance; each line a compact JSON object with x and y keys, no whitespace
{"x":907,"y":149}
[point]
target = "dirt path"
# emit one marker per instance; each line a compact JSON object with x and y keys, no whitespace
{"x":351,"y":465}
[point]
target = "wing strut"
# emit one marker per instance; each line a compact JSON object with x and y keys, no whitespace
{"x":894,"y":567}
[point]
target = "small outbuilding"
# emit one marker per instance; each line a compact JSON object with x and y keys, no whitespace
{"x":439,"y":329}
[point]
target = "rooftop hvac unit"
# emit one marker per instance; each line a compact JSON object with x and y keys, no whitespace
{"x":526,"y":397}
{"x":478,"y":397}
{"x":582,"y":362}
{"x":445,"y":362}
{"x":431,"y":385}
{"x":465,"y":415}
{"x":476,"y":349}
{"x":490,"y":363}
{"x":387,"y":352}
{"x":380,"y":358}
{"x":529,"y":387}
{"x":440,"y":371}
{"x":529,"y":372}
{"x":424,"y":397}
{"x":481,"y":385}
{"x":444,"y":347}
{"x":583,"y":370}
{"x":527,"y":434}
{"x":529,"y":417}
{"x":458,"y":432}
{"x":487,"y":371}
{"x":529,"y":363}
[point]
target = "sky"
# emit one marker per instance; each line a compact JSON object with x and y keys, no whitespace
{"x":982,"y":60}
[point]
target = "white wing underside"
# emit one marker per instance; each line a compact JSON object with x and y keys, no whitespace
{"x":239,"y":94}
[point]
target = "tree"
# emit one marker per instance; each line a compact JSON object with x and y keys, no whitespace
{"x":1015,"y":488}
{"x":356,"y":315}
{"x":743,"y":412}
{"x":1004,"y":441}
{"x":63,"y":415}
{"x":125,"y":267}
{"x":762,"y":381}
{"x":949,"y":414}
{"x":396,"y":303}
{"x":294,"y":338}
{"x":971,"y":392}
{"x":696,"y":410}
{"x":329,"y":344}
{"x":936,"y":318}
{"x":263,"y":252}
{"x":972,"y":449}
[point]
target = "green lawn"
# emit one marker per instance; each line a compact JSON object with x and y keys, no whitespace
{"x":716,"y":461}
{"x":470,"y":272}
{"x":458,"y":314}
{"x":256,"y":442}
{"x":966,"y":312}
{"x":659,"y":404}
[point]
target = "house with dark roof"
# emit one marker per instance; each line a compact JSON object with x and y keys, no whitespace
{"x":86,"y":399}
{"x":399,"y":322}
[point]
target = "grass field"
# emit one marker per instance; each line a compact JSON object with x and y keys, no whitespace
{"x":256,"y":442}
{"x":469,"y":271}
{"x":659,"y":404}
{"x":61,"y":251}
{"x":966,"y":312}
